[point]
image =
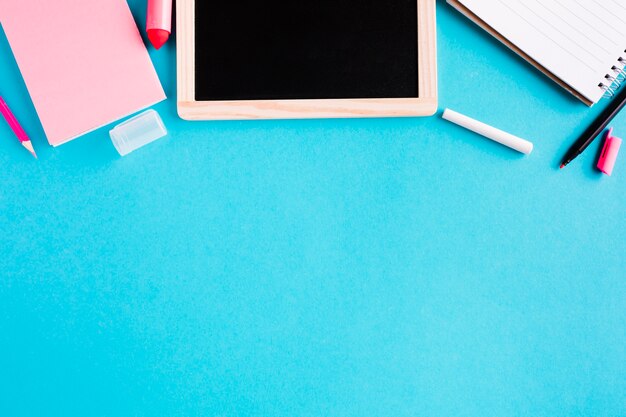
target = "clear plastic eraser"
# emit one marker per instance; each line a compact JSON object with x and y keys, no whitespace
{"x":137,"y":131}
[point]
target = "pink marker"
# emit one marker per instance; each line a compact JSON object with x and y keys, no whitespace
{"x":609,"y":153}
{"x":15,"y":126}
{"x":159,"y":25}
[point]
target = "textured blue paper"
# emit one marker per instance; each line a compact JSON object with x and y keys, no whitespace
{"x":318,"y":268}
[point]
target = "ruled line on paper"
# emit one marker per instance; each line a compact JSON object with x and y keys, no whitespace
{"x":589,"y":27}
{"x":619,"y":5}
{"x":594,"y":12}
{"x":571,"y":28}
{"x":546,"y":35}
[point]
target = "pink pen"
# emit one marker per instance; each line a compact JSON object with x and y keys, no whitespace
{"x":15,"y":126}
{"x":159,"y":24}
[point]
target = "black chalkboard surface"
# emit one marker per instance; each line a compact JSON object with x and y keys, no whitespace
{"x":307,"y":49}
{"x":261,"y":56}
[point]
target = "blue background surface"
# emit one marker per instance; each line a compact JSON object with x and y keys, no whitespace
{"x":323,"y":267}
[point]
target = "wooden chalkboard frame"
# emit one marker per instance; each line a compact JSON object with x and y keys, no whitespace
{"x":190,"y":109}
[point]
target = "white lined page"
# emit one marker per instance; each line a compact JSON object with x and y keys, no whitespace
{"x":577,"y":40}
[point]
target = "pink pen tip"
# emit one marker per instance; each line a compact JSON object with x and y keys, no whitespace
{"x":158,"y":37}
{"x":562,"y":166}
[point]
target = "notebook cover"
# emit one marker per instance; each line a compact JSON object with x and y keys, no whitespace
{"x":83,"y":61}
{"x":473,"y":17}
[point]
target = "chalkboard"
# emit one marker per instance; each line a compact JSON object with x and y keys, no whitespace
{"x":240,"y":59}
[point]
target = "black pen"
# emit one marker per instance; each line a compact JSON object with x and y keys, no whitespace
{"x":617,"y":104}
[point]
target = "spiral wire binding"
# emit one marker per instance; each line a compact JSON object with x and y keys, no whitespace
{"x":614,"y":80}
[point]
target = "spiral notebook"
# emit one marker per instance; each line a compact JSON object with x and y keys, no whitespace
{"x":578,"y":43}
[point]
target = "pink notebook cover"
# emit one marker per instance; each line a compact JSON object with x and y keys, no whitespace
{"x":83,"y":61}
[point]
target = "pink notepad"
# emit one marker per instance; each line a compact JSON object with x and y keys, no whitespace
{"x":83,"y":61}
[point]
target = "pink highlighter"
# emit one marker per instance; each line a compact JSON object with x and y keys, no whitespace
{"x":159,"y":24}
{"x":609,"y":153}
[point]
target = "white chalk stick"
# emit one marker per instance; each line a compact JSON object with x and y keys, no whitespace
{"x":497,"y":135}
